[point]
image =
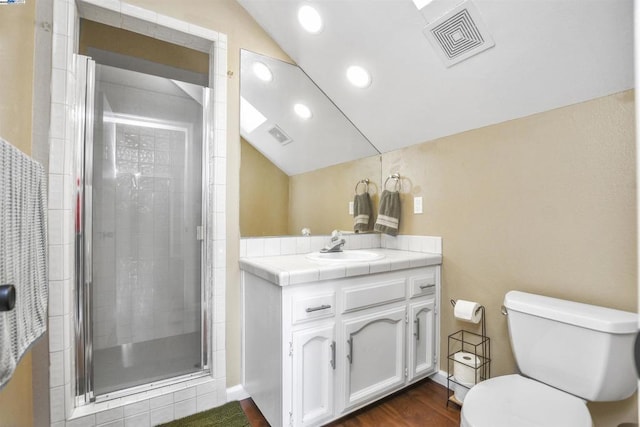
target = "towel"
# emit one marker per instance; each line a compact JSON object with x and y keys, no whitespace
{"x":388,"y":219}
{"x":362,"y":212}
{"x":23,"y":255}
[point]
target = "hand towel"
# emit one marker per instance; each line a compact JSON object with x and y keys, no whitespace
{"x":362,"y":212}
{"x":23,"y":255}
{"x":388,"y":220}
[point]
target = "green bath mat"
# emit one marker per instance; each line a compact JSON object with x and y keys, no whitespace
{"x":227,"y":415}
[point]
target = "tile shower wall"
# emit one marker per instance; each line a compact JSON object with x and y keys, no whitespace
{"x":146,"y":258}
{"x":170,"y":402}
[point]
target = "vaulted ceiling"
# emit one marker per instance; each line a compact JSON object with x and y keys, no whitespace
{"x":547,"y":54}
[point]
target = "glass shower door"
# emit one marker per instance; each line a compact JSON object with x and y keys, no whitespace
{"x":146,"y":215}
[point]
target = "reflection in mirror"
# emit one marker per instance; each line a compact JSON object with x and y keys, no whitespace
{"x":292,"y":134}
{"x":288,"y":119}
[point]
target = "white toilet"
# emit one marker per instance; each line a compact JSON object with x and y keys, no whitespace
{"x":568,"y":353}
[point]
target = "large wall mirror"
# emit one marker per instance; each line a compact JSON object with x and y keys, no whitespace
{"x":290,"y":131}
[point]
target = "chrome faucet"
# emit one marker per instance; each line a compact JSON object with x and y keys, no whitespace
{"x":336,"y":243}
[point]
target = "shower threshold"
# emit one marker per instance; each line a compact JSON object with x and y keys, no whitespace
{"x":130,"y":365}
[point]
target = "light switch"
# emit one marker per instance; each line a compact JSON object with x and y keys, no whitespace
{"x":417,"y":205}
{"x":350,"y":208}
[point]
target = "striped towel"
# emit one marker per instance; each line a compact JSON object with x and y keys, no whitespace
{"x":23,"y":255}
{"x":362,"y":212}
{"x":388,"y":220}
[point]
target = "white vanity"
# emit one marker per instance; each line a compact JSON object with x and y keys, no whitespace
{"x":322,"y":338}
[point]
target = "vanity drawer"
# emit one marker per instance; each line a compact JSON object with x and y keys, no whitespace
{"x":373,"y":294}
{"x":424,"y":284}
{"x":312,"y":307}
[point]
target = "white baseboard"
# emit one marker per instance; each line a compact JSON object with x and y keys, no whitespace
{"x":440,"y":377}
{"x":237,"y":392}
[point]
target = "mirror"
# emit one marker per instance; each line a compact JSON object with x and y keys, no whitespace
{"x":290,"y":122}
{"x":288,"y":119}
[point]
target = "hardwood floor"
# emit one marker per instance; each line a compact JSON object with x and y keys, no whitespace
{"x":423,"y":404}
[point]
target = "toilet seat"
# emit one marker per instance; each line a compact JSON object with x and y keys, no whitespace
{"x":513,"y":400}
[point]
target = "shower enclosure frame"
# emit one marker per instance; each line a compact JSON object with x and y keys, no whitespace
{"x":83,"y":210}
{"x":208,"y":391}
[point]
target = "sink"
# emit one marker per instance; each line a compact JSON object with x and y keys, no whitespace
{"x":345,"y":256}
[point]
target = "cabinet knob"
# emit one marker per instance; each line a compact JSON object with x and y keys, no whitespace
{"x":7,"y":297}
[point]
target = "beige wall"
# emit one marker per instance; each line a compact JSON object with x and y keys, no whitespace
{"x":16,"y":399}
{"x":16,"y":84}
{"x":320,"y":199}
{"x":264,"y":195}
{"x":227,"y":16}
{"x":16,"y":90}
{"x":543,"y":204}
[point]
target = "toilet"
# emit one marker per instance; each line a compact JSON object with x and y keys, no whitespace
{"x":567,"y":353}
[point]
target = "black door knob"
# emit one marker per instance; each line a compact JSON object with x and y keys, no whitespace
{"x":7,"y":297}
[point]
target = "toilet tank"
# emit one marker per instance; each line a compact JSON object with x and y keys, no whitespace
{"x":582,"y":349}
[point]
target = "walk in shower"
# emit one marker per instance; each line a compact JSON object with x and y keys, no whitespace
{"x":141,"y":305}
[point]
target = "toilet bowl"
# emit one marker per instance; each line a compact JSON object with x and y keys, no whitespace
{"x":516,"y":401}
{"x":568,"y":353}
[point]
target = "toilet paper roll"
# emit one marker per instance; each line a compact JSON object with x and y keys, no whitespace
{"x":467,"y":311}
{"x":464,"y":367}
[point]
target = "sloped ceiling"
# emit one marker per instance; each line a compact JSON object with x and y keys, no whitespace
{"x":547,"y":54}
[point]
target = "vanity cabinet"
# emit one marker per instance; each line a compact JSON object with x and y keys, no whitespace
{"x":374,"y":356}
{"x":313,"y":364}
{"x":314,"y":352}
{"x":422,"y":341}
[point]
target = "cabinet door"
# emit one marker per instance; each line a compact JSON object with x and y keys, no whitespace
{"x":374,"y":355}
{"x":422,"y":338}
{"x":313,"y":362}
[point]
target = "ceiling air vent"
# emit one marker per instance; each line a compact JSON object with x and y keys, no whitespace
{"x":459,"y":34}
{"x":279,"y":135}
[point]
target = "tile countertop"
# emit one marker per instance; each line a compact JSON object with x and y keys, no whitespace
{"x":286,"y":270}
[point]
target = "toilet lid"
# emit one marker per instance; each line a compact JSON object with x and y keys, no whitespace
{"x":513,"y":400}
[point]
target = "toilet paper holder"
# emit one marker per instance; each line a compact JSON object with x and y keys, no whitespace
{"x":483,"y":323}
{"x":481,"y":308}
{"x":476,"y":344}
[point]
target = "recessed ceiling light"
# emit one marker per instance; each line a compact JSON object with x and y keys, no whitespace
{"x":358,"y":76}
{"x":421,"y":3}
{"x":310,"y":19}
{"x":302,"y":110}
{"x":262,"y":71}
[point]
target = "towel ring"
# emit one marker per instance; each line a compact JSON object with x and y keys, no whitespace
{"x":366,"y":185}
{"x":396,"y":177}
